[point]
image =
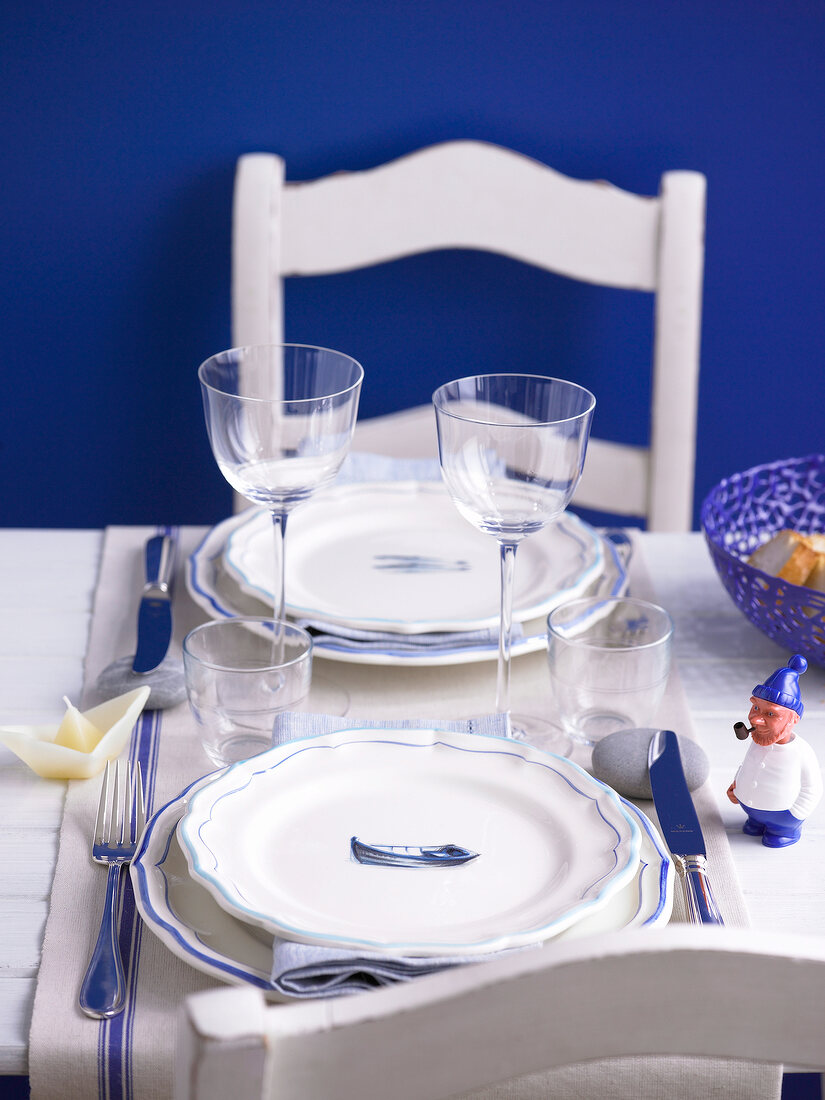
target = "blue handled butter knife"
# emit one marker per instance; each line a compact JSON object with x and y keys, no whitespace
{"x":154,"y":630}
{"x":680,"y":826}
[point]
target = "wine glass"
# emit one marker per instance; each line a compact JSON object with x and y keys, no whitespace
{"x":280,"y":419}
{"x":511,"y":448}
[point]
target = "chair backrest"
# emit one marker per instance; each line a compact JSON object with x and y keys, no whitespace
{"x":681,"y":991}
{"x":470,"y":194}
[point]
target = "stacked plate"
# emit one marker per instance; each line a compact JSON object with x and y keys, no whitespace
{"x":400,"y":843}
{"x":390,"y":573}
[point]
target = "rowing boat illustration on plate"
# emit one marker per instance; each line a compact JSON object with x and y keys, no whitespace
{"x":409,"y":855}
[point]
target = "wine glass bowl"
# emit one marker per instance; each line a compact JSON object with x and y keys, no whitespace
{"x":280,"y":418}
{"x":512,"y":450}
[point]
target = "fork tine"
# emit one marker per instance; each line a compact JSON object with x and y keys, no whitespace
{"x":121,"y":810}
{"x":140,"y":805}
{"x":102,"y":807}
{"x":118,"y":816}
{"x":127,"y":803}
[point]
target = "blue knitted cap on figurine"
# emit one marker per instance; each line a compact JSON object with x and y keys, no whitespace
{"x":782,"y":687}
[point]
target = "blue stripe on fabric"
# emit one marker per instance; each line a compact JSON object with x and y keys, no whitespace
{"x":101,"y":1059}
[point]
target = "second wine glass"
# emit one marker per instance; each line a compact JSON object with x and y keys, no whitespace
{"x":280,"y":419}
{"x":511,"y":448}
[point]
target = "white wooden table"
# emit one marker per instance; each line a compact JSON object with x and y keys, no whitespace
{"x":47,"y":581}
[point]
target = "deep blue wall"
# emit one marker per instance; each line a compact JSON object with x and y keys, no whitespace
{"x":121,"y":127}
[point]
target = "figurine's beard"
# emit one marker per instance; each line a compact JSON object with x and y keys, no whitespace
{"x":765,"y":739}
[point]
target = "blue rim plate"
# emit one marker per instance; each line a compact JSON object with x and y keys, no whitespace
{"x":218,"y":594}
{"x":270,"y":838}
{"x":187,"y":920}
{"x":397,"y":556}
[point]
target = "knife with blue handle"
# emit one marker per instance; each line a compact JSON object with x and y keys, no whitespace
{"x":154,"y":631}
{"x":680,"y":826}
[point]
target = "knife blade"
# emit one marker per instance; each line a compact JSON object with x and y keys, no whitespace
{"x":154,"y":626}
{"x":680,"y":826}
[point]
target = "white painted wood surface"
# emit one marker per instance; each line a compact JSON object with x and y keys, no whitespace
{"x":46,"y":589}
{"x":47,"y":581}
{"x":601,"y":997}
{"x":470,"y":194}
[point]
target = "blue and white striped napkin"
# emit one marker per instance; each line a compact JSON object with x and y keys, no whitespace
{"x":291,"y":724}
{"x":345,"y":639}
{"x":307,"y":970}
{"x":361,"y":466}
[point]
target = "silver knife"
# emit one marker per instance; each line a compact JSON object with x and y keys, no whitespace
{"x":680,"y":826}
{"x":154,"y":630}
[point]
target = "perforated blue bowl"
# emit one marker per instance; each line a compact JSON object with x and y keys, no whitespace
{"x":745,"y":510}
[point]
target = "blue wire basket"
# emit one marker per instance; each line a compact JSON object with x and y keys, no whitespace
{"x":745,"y":510}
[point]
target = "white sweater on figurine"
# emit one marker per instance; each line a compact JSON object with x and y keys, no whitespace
{"x":780,"y":777}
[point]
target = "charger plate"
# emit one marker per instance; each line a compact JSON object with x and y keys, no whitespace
{"x":219,"y":596}
{"x":189,"y":922}
{"x":397,"y":556}
{"x":270,"y":838}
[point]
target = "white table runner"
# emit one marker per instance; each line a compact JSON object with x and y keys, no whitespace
{"x":132,"y":1056}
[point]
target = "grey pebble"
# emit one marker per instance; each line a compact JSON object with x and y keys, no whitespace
{"x":168,"y":687}
{"x":620,"y":760}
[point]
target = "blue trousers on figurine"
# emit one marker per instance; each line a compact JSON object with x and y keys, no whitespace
{"x":778,"y":828}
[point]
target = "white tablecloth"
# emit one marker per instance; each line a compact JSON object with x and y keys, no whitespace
{"x":132,"y":1055}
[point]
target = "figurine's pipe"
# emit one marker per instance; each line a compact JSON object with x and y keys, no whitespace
{"x":742,"y":731}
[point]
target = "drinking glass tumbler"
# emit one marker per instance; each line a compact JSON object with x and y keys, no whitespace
{"x":240,"y":673}
{"x":609,"y":660}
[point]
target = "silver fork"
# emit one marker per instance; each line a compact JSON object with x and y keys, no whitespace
{"x":121,"y":815}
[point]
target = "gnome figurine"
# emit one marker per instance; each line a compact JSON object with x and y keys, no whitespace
{"x":779,"y":782}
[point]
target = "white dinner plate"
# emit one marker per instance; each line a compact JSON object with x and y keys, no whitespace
{"x":273,"y":839}
{"x":186,"y":918}
{"x":219,"y":596}
{"x":397,"y":556}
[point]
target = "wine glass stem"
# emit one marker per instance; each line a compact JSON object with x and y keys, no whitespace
{"x":505,"y":630}
{"x":279,"y":547}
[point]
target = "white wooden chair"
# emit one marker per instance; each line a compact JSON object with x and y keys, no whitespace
{"x":694,"y":993}
{"x":469,"y":194}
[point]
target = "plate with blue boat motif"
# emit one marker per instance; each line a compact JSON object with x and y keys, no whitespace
{"x":185,"y":917}
{"x":397,"y":556}
{"x":415,"y":842}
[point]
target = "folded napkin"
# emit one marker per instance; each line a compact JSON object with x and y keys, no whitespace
{"x":293,"y":723}
{"x":310,"y":970}
{"x":362,"y":466}
{"x":307,"y":970}
{"x":347,"y":639}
